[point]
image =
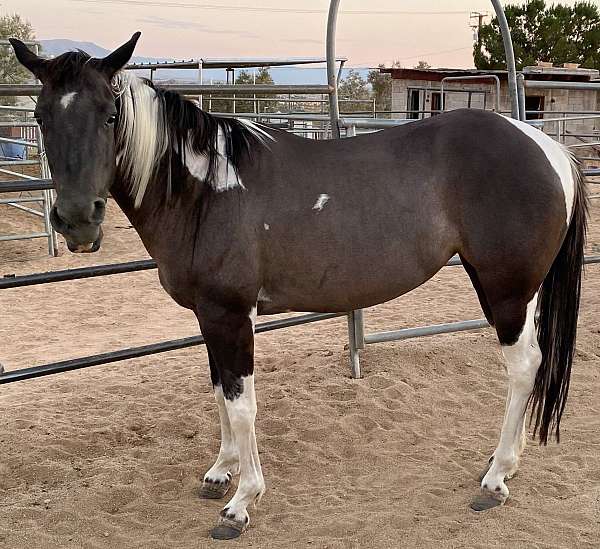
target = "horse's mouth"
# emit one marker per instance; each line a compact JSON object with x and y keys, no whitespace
{"x":87,"y":248}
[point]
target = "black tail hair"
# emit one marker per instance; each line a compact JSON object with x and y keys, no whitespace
{"x":557,"y":323}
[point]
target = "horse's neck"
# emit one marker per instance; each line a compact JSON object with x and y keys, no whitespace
{"x":155,"y":222}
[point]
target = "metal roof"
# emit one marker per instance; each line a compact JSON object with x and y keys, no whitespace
{"x":231,"y":63}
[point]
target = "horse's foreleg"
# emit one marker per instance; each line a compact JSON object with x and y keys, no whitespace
{"x":523,"y":359}
{"x":230,"y":337}
{"x":217,"y":479}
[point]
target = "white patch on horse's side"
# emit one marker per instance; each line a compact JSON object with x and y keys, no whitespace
{"x":226,"y":177}
{"x":263,"y":295}
{"x":561,"y":159}
{"x":321,"y":201}
{"x":266,"y":226}
{"x":67,"y":99}
{"x":257,"y":131}
{"x":242,"y":413}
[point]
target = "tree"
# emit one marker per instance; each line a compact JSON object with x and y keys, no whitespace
{"x":558,"y":33}
{"x":354,"y":86}
{"x":381,"y":85}
{"x":11,"y":71}
{"x":422,"y":65}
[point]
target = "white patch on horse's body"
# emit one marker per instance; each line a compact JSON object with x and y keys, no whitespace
{"x":198,"y":166}
{"x":263,"y":296}
{"x":522,"y":362}
{"x":321,"y":201}
{"x":227,"y":463}
{"x":266,"y":226}
{"x":67,"y":99}
{"x":242,"y":413}
{"x":257,"y":131}
{"x":252,"y":316}
{"x":561,"y":159}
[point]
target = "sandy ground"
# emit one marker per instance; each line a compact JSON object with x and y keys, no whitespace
{"x":112,"y":456}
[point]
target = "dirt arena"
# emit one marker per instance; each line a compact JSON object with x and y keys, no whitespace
{"x":112,"y":456}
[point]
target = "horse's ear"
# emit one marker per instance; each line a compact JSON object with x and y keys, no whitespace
{"x":116,"y":60}
{"x":28,"y":59}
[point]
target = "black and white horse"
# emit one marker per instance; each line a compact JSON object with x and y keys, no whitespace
{"x":245,"y":220}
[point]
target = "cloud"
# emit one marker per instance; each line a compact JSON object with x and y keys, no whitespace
{"x":178,"y":24}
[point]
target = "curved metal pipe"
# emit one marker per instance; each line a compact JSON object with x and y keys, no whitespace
{"x":334,"y":107}
{"x":510,"y":59}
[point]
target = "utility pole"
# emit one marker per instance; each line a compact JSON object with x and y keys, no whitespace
{"x":476,"y":26}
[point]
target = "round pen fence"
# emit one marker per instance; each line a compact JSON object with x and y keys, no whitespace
{"x":357,"y":337}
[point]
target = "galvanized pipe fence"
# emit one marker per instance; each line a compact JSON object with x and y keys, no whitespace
{"x":357,"y":337}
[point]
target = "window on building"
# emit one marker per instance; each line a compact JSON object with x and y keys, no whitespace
{"x":534,"y":103}
{"x":414,"y":104}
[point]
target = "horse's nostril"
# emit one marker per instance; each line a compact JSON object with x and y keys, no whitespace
{"x":98,"y":210}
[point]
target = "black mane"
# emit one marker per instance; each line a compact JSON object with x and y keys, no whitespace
{"x":189,"y":126}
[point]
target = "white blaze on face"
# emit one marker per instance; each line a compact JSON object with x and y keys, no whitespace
{"x":321,"y":201}
{"x":67,"y":99}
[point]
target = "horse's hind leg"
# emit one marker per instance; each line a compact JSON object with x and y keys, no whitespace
{"x":515,"y":324}
{"x":217,"y":479}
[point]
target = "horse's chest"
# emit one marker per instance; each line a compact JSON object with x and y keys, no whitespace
{"x":178,"y":286}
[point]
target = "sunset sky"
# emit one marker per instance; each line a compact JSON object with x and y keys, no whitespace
{"x":409,"y":30}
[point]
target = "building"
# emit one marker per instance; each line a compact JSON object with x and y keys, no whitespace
{"x":417,"y":93}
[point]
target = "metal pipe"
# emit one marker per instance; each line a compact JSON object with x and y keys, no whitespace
{"x":510,"y":58}
{"x":521,"y":93}
{"x":145,"y":350}
{"x":352,"y":348}
{"x":18,"y":142}
{"x":7,"y":238}
{"x":408,"y":333}
{"x":25,"y":209}
{"x":478,"y":77}
{"x":24,"y":186}
{"x":77,"y":274}
{"x":10,"y":90}
{"x":334,"y":107}
{"x":550,"y":85}
{"x":23,"y":199}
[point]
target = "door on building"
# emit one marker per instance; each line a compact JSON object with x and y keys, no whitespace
{"x":534,"y":103}
{"x":414,"y":104}
{"x":436,"y":103}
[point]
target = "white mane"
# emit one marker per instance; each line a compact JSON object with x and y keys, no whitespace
{"x":143,"y":138}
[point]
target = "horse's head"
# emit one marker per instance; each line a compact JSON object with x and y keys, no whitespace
{"x":77,"y":114}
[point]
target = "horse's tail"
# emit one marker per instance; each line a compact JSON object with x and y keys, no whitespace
{"x":557,"y":323}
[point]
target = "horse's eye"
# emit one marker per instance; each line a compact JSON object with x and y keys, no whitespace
{"x":111,"y":120}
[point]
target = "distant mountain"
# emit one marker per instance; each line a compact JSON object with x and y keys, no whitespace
{"x":281,"y":75}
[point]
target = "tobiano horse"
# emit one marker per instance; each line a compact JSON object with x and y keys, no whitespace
{"x":245,"y":220}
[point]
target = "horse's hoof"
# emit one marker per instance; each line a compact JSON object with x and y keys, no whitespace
{"x":228,"y":529}
{"x":214,"y":490}
{"x":486,"y":500}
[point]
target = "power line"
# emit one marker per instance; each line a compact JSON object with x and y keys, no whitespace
{"x":220,"y":7}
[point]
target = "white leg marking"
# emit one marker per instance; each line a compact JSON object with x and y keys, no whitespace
{"x":252,"y":316}
{"x":559,"y":157}
{"x":242,"y":413}
{"x":321,"y":201}
{"x":67,"y":99}
{"x":522,"y":361}
{"x":266,"y":226}
{"x":227,"y":463}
